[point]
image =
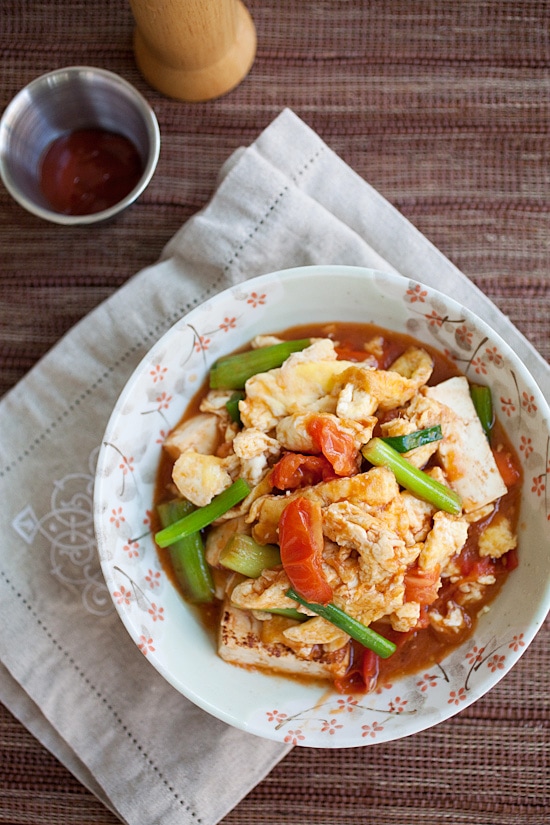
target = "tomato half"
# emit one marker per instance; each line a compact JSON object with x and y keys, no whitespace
{"x":472,"y":566}
{"x":510,"y":561}
{"x":362,"y":673}
{"x":335,"y":444}
{"x":301,"y":544}
{"x":347,"y":353}
{"x":507,"y":467}
{"x":422,"y":586}
{"x":296,"y":470}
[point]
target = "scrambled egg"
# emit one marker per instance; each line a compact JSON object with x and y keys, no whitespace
{"x":374,"y":531}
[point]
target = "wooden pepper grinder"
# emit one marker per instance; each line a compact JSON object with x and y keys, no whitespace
{"x":193,"y":49}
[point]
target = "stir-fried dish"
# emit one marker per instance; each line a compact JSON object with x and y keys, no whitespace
{"x":341,"y":503}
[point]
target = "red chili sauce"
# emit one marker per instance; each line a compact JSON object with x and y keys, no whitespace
{"x":88,"y":171}
{"x":422,"y":647}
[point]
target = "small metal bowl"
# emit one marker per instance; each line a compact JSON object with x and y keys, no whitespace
{"x":62,"y":101}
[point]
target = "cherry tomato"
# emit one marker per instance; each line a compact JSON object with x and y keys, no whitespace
{"x":336,"y":445}
{"x":507,"y":468}
{"x":301,"y":544}
{"x":362,"y":673}
{"x":346,"y":353}
{"x":472,"y":565}
{"x":422,"y":586}
{"x":510,"y":559}
{"x":296,"y":470}
{"x":386,"y":353}
{"x":369,"y":668}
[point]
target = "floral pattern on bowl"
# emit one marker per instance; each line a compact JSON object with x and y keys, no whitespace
{"x":169,"y":632}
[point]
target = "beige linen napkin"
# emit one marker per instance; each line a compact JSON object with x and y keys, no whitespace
{"x":68,"y":668}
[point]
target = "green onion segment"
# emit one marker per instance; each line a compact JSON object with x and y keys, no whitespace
{"x":232,"y":406}
{"x":357,"y":630}
{"x":404,"y":443}
{"x":286,"y":612}
{"x":187,"y":555}
{"x":233,"y":372}
{"x":483,"y":403}
{"x":245,"y":555}
{"x":416,"y":481}
{"x":203,"y":516}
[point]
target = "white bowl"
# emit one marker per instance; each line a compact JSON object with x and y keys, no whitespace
{"x":169,"y":632}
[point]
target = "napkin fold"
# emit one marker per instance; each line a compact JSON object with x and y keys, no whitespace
{"x":68,"y":669}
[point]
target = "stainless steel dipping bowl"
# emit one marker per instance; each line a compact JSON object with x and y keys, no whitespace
{"x":76,"y":97}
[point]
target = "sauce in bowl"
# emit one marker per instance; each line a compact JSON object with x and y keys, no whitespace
{"x":88,"y":171}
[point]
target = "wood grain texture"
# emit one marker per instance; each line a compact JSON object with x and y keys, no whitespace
{"x":193,"y":50}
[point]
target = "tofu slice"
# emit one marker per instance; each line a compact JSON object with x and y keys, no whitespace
{"x":239,"y":642}
{"x":465,"y":453}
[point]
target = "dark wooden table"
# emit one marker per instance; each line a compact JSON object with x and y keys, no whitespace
{"x":445,"y":109}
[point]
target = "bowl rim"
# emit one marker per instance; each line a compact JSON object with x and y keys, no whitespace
{"x":542,"y":610}
{"x":153,"y":132}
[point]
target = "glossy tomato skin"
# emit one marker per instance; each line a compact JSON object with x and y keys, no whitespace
{"x":295,"y":470}
{"x":422,"y":586}
{"x":362,"y":673}
{"x":336,"y":445}
{"x":507,"y":467}
{"x":301,"y":545}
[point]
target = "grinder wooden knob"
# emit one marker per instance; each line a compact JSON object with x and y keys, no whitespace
{"x":193,"y":49}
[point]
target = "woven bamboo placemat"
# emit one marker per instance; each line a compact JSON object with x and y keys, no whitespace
{"x":445,"y":109}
